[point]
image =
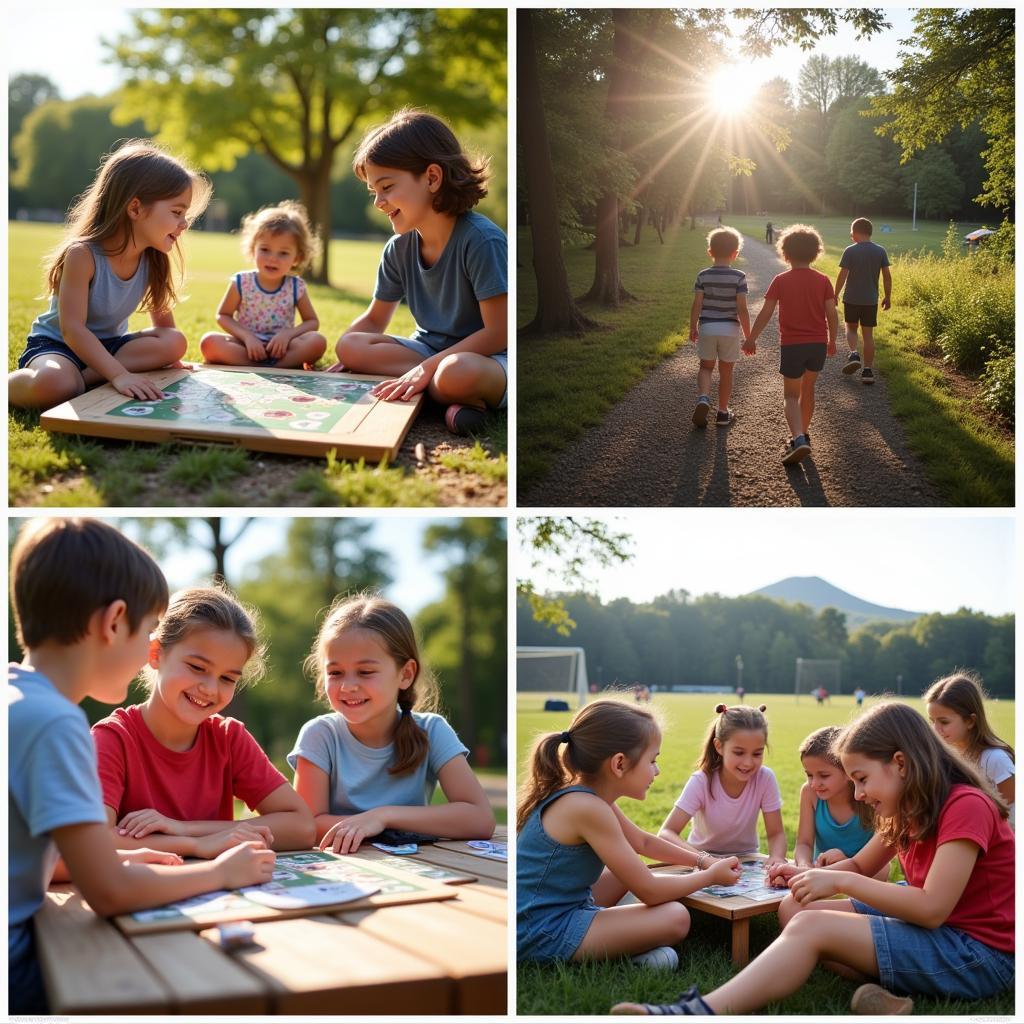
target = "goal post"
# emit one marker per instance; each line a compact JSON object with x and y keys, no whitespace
{"x":560,"y":670}
{"x":813,"y":673}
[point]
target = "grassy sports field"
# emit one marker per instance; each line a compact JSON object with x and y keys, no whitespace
{"x":704,"y":957}
{"x":49,"y":469}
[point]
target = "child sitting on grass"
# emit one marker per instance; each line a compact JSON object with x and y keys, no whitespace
{"x":83,"y":633}
{"x":718,"y":315}
{"x":258,"y":310}
{"x":858,"y":271}
{"x":807,"y":327}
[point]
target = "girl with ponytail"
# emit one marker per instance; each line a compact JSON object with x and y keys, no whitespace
{"x":374,"y":761}
{"x":577,"y":853}
{"x":730,"y":787}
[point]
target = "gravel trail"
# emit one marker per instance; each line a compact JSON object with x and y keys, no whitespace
{"x":648,"y":453}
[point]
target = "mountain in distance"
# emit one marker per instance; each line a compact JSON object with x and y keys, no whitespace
{"x":818,"y":593}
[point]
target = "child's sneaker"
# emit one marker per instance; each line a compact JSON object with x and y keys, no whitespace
{"x":867,"y":375}
{"x":661,"y":958}
{"x":689,"y":1004}
{"x":724,"y":417}
{"x":875,"y":1001}
{"x":852,"y":364}
{"x":700,"y":413}
{"x":796,"y":450}
{"x":464,"y":419}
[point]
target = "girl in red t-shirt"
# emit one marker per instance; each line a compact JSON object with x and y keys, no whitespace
{"x":947,"y":933}
{"x":170,"y":768}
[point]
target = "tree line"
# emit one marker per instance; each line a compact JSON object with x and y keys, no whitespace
{"x":677,"y":639}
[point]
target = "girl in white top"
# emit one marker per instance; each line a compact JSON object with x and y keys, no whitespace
{"x":956,"y":709}
{"x":729,"y":788}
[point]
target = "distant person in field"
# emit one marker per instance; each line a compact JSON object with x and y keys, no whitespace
{"x":858,"y":272}
{"x":740,"y":693}
{"x":807,"y":325}
{"x":769,"y":233}
{"x":858,"y":696}
{"x":718,"y":319}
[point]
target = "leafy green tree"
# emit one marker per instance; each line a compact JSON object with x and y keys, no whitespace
{"x":959,"y":70}
{"x":939,"y":188}
{"x":863,"y":166}
{"x":295,"y":84}
{"x":25,"y":92}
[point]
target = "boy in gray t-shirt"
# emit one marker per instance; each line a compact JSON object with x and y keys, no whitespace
{"x":859,"y":267}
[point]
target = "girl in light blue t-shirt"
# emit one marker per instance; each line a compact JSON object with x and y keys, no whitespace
{"x":373,"y":762}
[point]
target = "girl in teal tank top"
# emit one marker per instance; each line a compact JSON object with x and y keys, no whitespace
{"x":577,"y":853}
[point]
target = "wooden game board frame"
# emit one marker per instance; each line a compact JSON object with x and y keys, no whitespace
{"x":377,"y":435}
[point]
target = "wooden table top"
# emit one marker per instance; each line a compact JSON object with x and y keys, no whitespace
{"x":448,"y":957}
{"x":733,"y":908}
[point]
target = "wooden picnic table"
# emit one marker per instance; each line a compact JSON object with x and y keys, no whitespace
{"x":446,"y":957}
{"x":736,"y":909}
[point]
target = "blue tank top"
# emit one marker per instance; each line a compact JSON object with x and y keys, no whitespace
{"x":111,"y":301}
{"x":829,"y":834}
{"x":551,"y":877}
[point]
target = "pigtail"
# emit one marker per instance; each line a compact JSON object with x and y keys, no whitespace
{"x":410,"y":741}
{"x":729,"y":720}
{"x":548,"y":774}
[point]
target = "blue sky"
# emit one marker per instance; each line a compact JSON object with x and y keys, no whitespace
{"x":937,"y":561}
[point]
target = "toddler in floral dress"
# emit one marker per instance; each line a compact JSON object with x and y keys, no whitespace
{"x":258,"y":311}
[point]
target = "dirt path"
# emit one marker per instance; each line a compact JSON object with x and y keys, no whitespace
{"x":647,"y":453}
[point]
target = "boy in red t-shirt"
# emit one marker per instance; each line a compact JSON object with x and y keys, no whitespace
{"x":807,"y":325}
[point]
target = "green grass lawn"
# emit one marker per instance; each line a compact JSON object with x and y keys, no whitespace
{"x":966,"y":452}
{"x":66,"y":470}
{"x":704,"y":958}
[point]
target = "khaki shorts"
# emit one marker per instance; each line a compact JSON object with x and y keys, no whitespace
{"x":723,"y":347}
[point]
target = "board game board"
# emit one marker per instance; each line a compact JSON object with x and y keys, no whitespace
{"x":307,"y":882}
{"x":752,"y":884}
{"x":297,"y":412}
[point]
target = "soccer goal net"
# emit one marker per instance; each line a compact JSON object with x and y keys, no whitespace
{"x":814,"y":673}
{"x":560,"y":671}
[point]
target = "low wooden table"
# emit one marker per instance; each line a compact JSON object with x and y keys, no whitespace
{"x":737,"y":909}
{"x":448,"y":957}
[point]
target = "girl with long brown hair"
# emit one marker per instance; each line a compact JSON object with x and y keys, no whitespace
{"x":578,"y":854}
{"x":948,"y":933}
{"x":115,"y":259}
{"x":372,"y":763}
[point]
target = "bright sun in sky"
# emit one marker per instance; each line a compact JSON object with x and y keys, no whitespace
{"x":728,"y":93}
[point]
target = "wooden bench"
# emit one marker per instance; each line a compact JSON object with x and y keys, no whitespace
{"x":448,"y":957}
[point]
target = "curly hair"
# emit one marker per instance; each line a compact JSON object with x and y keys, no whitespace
{"x":800,"y":242}
{"x":287,"y":217}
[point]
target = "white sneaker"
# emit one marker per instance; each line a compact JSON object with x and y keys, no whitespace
{"x":661,"y":958}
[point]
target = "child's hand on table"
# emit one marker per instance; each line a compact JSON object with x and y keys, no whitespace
{"x":406,"y":387}
{"x":725,"y":871}
{"x":216,"y":843}
{"x":134,"y":385}
{"x":780,"y":873}
{"x":147,"y":856}
{"x":346,"y":835}
{"x":137,"y":824}
{"x":245,"y":864}
{"x":832,"y":856}
{"x":815,"y":884}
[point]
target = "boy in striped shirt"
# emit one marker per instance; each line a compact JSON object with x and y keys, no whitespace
{"x":718,"y":320}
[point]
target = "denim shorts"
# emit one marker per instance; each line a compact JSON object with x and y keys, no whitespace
{"x":798,"y":358}
{"x":554,"y":936}
{"x":422,"y":348}
{"x":941,"y":962}
{"x":37,"y":346}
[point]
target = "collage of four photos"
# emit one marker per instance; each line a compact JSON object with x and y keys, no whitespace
{"x":408,"y":624}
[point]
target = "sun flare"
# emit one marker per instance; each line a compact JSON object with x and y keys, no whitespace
{"x":727,"y":92}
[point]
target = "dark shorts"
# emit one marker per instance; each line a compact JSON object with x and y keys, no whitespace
{"x":943,"y":962}
{"x":798,"y":358}
{"x":866,"y":316}
{"x":37,"y":346}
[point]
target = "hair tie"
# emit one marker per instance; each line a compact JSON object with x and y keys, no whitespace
{"x":720,"y":708}
{"x":762,"y":708}
{"x":406,"y":711}
{"x":564,"y":738}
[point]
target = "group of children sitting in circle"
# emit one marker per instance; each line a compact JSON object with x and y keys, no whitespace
{"x":939,"y":797}
{"x":448,"y":262}
{"x":117,"y":810}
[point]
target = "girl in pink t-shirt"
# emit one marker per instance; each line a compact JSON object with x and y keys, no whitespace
{"x":728,"y":790}
{"x":170,"y":768}
{"x":948,"y":933}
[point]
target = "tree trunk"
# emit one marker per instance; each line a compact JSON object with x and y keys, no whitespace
{"x":467,"y":709}
{"x":557,"y":313}
{"x":607,"y":288}
{"x":315,"y":194}
{"x":641,"y":212}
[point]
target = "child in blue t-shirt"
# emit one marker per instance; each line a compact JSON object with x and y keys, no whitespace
{"x":450,"y":265}
{"x":373,"y":762}
{"x":80,"y":641}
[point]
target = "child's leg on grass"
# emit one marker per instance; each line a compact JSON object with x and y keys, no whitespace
{"x":788,"y":962}
{"x":468,"y":378}
{"x":791,"y":398}
{"x":44,"y":383}
{"x":306,"y":348}
{"x":634,"y":929}
{"x":224,"y":348}
{"x":869,"y":345}
{"x":851,"y":337}
{"x":807,"y":399}
{"x":724,"y":383}
{"x":152,"y":349}
{"x":704,"y":377}
{"x":375,"y":353}
{"x":789,"y":908}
